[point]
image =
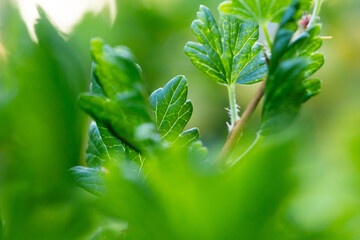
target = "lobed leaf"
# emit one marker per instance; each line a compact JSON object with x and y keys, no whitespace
{"x":103,"y":147}
{"x":259,"y":11}
{"x":121,"y":106}
{"x":173,"y":111}
{"x":228,"y":53}
{"x":293,"y":61}
{"x":124,"y":132}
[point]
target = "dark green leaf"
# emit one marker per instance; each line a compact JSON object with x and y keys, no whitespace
{"x":103,"y":147}
{"x":283,"y":96}
{"x":228,"y":52}
{"x":259,"y":11}
{"x":122,"y":106}
{"x":91,"y":179}
{"x":293,"y":61}
{"x":173,"y":111}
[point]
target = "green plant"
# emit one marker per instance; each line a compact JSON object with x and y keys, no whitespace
{"x":140,"y":159}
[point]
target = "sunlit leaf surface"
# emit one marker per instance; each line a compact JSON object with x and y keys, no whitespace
{"x":227,"y":51}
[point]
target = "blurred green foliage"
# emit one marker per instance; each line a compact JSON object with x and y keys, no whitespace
{"x":303,"y":184}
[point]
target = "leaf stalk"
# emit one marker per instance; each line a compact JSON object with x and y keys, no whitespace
{"x":236,"y":132}
{"x":233,"y":107}
{"x":267,"y":35}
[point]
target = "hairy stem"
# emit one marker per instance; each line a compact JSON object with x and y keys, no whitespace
{"x":233,"y":107}
{"x":236,"y":132}
{"x":267,"y":35}
{"x":315,"y":13}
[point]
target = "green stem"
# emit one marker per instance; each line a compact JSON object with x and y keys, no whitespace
{"x":315,"y":13}
{"x":267,"y":35}
{"x":257,"y":141}
{"x":233,"y":107}
{"x":236,"y":132}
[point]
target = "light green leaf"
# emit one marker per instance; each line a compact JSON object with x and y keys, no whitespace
{"x":91,"y":179}
{"x":110,"y":233}
{"x":1,"y":228}
{"x":121,"y":105}
{"x":173,"y":111}
{"x":259,"y":11}
{"x":293,"y":61}
{"x":228,"y":53}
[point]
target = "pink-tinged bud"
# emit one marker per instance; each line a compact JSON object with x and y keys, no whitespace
{"x":304,"y":22}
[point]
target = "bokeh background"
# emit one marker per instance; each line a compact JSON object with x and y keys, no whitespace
{"x":45,"y":64}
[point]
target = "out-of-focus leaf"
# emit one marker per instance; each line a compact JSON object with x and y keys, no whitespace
{"x":313,"y":87}
{"x":91,"y":179}
{"x":109,"y":234}
{"x":227,"y":53}
{"x":123,"y":107}
{"x":197,"y":152}
{"x":293,"y":61}
{"x":1,"y":228}
{"x":259,"y":11}
{"x":284,"y":96}
{"x":173,"y":111}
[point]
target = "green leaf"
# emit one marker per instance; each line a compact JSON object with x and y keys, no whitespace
{"x":188,"y":137}
{"x":91,"y":179}
{"x":259,"y":11}
{"x":293,"y":61}
{"x":313,"y":88}
{"x":122,"y":105}
{"x":1,"y":228}
{"x":103,"y":147}
{"x":109,"y":233}
{"x":173,"y":111}
{"x":228,"y":53}
{"x":283,"y":96}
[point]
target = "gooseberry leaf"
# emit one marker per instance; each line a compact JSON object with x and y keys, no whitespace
{"x":90,"y":179}
{"x":259,"y":11}
{"x":103,"y":147}
{"x":123,"y":132}
{"x":293,"y":61}
{"x":173,"y":111}
{"x":123,"y":107}
{"x":227,"y":52}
